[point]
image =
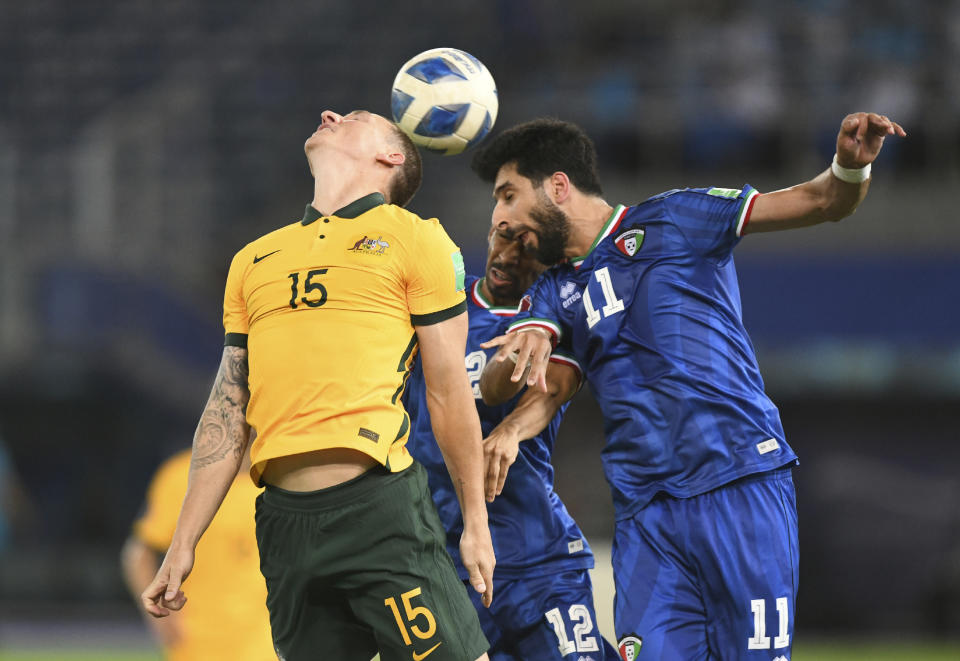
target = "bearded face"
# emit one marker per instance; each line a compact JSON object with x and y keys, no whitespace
{"x":553,"y":230}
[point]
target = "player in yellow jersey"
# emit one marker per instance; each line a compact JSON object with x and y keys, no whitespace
{"x":323,"y":318}
{"x":227,"y":618}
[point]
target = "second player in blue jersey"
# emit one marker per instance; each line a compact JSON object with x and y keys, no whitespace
{"x":646,"y":298}
{"x":544,"y":603}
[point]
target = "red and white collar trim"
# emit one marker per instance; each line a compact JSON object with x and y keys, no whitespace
{"x":476,"y":293}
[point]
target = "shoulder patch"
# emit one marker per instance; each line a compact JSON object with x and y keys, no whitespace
{"x":459,"y":272}
{"x":724,"y":192}
{"x":629,"y":242}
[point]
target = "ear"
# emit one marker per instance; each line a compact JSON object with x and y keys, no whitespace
{"x":558,"y":187}
{"x":391,"y":158}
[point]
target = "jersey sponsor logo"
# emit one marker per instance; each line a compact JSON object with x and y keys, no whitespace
{"x":724,"y":192}
{"x":768,"y":445}
{"x":369,"y":435}
{"x":424,"y":655}
{"x":569,"y":294}
{"x":575,"y":546}
{"x":629,"y":242}
{"x":369,"y":246}
{"x":260,"y":258}
{"x":629,"y":647}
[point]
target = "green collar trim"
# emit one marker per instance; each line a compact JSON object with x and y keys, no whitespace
{"x":352,"y":210}
{"x":608,"y":226}
{"x":484,"y":302}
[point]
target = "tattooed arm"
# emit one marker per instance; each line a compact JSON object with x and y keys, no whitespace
{"x":218,"y":448}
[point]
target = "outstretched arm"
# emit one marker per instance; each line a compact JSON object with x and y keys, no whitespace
{"x":218,"y":447}
{"x":532,"y":414}
{"x":456,"y":427}
{"x":827,"y":197}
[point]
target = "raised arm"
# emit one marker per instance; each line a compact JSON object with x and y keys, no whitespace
{"x":218,"y":447}
{"x":457,"y":429}
{"x":837,"y":191}
{"x":532,"y":414}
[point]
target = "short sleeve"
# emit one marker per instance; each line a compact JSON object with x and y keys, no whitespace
{"x":435,"y":276}
{"x":155,"y":526}
{"x":712,"y":220}
{"x":563,"y":356}
{"x":235,"y":318}
{"x":538,"y":309}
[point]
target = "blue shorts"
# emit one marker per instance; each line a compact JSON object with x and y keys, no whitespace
{"x":545,"y":618}
{"x":709,"y":577}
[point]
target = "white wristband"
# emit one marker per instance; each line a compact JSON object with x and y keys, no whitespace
{"x":850,"y":175}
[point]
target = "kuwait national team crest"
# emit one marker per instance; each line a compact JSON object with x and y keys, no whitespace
{"x":630,"y":645}
{"x":629,"y":242}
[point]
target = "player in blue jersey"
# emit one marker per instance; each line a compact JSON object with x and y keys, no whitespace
{"x":646,"y":298}
{"x":544,"y":607}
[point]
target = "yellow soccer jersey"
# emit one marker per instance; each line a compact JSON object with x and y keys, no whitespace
{"x":226,"y":614}
{"x":326,"y":308}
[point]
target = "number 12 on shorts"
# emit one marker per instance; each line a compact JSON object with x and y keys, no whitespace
{"x":582,"y":642}
{"x":760,"y":640}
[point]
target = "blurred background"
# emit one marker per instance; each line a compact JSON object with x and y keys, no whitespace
{"x":143,"y":143}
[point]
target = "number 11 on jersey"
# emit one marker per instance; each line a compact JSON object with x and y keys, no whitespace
{"x":612,"y":304}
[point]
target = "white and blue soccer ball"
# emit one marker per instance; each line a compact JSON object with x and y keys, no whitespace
{"x":445,"y":100}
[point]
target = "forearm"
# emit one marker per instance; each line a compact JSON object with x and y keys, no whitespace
{"x":218,"y":448}
{"x":496,"y":387}
{"x":535,"y":409}
{"x":822,"y":199}
{"x":453,"y":415}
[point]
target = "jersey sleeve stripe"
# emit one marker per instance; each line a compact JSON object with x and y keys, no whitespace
{"x":566,"y":359}
{"x":439,"y":315}
{"x":235,"y":340}
{"x":745,"y":211}
{"x":533,"y":322}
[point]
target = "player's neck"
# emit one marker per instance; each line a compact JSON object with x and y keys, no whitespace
{"x":335,"y":188}
{"x":588,"y":214}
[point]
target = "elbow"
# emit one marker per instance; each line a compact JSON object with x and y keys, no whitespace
{"x":835,"y":215}
{"x":491,"y":398}
{"x":493,"y":392}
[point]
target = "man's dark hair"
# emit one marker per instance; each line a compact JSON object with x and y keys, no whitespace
{"x":539,"y":148}
{"x":408,"y":177}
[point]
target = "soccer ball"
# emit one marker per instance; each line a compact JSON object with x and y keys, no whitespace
{"x":445,"y":100}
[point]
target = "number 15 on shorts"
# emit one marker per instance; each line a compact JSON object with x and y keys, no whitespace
{"x":412,"y":614}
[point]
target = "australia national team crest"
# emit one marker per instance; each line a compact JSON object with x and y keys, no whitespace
{"x":629,"y":646}
{"x":369,"y":246}
{"x":629,"y":242}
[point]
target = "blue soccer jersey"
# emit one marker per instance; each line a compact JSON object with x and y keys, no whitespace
{"x":652,"y":313}
{"x":532,"y":532}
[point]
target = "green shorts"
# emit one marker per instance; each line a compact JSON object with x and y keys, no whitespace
{"x":361,"y":568}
